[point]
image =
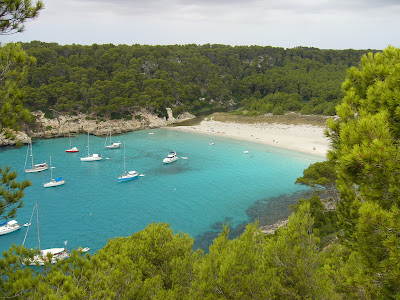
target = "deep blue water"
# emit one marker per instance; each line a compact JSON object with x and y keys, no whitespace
{"x":215,"y":184}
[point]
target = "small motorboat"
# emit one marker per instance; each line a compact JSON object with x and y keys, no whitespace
{"x":27,"y":224}
{"x":170,"y":158}
{"x":9,"y":226}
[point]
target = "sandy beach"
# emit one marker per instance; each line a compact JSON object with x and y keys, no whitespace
{"x":304,"y":138}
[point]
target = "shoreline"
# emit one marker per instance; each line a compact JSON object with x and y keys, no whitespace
{"x":298,"y":137}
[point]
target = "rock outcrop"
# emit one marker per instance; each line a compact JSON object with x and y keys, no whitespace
{"x":64,"y":125}
{"x":12,"y":138}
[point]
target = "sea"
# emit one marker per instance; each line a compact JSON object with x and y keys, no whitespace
{"x":216,"y":181}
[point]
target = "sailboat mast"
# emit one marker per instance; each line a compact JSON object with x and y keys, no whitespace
{"x":88,"y":151}
{"x":37,"y":218}
{"x":124,"y":157}
{"x":32,"y":155}
{"x":51,"y":170}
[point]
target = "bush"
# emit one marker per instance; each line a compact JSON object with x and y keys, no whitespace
{"x":278,"y":110}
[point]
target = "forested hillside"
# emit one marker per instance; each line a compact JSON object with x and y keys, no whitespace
{"x":348,"y":253}
{"x":113,"y":81}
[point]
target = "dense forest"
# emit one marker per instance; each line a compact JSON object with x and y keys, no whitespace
{"x":351,"y":252}
{"x":114,"y":81}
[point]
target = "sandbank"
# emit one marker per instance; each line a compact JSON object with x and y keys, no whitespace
{"x":299,"y":137}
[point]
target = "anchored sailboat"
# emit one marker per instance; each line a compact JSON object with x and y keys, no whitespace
{"x":91,"y":157}
{"x":54,"y":181}
{"x":33,"y":168}
{"x":51,"y":255}
{"x":127,"y":175}
{"x":71,"y":149}
{"x":111,"y":145}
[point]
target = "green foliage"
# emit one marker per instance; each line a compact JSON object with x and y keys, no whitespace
{"x":11,"y":192}
{"x":15,"y":12}
{"x":325,"y":221}
{"x":17,"y":281}
{"x":321,"y":174}
{"x":236,"y":269}
{"x":294,"y":251}
{"x":365,"y":137}
{"x":14,"y":63}
{"x":159,"y":263}
{"x":122,"y":79}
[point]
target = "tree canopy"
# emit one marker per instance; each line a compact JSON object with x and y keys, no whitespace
{"x":108,"y":80}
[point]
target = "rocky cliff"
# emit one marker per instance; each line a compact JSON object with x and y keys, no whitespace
{"x":65,"y":125}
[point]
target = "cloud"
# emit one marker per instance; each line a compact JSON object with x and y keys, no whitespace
{"x":336,"y":24}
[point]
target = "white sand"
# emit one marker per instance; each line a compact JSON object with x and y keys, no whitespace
{"x":304,"y":138}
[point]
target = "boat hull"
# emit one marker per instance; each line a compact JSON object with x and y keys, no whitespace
{"x":95,"y":157}
{"x":8,"y":228}
{"x":37,"y":169}
{"x":72,"y":150}
{"x":113,"y":146}
{"x":169,"y":160}
{"x":53,"y":183}
{"x":128,"y":176}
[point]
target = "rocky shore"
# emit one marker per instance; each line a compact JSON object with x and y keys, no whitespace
{"x":64,"y":125}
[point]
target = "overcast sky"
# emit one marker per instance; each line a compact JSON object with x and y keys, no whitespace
{"x":325,"y":24}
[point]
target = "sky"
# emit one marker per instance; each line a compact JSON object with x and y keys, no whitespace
{"x":323,"y":24}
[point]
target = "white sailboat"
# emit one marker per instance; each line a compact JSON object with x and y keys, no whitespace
{"x":127,"y":175}
{"x":51,"y":255}
{"x":54,"y":181}
{"x":91,"y":157}
{"x":111,"y":145}
{"x":71,"y":149}
{"x":33,"y":168}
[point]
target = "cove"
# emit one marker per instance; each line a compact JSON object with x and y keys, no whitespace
{"x":221,"y":180}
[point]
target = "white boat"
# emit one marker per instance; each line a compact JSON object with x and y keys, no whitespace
{"x":33,"y":167}
{"x":51,"y":255}
{"x":170,"y":158}
{"x":127,"y":175}
{"x":111,"y":145}
{"x":71,"y":149}
{"x":9,"y":226}
{"x":54,"y":181}
{"x":91,"y":157}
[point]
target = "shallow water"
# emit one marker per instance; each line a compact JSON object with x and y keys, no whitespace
{"x":215,"y":184}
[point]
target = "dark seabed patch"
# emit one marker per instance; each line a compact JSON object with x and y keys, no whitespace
{"x":172,"y":169}
{"x":271,"y":210}
{"x":266,"y":211}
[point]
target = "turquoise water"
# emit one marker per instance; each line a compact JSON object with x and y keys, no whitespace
{"x":215,"y":184}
